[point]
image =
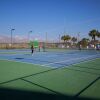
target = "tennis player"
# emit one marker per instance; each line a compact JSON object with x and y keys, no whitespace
{"x":32,"y":49}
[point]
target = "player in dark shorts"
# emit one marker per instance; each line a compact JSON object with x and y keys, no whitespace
{"x":32,"y":49}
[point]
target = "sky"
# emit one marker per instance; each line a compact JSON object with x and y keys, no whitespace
{"x":52,"y":17}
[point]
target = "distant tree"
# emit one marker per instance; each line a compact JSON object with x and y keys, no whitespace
{"x":73,"y":39}
{"x":85,"y":39}
{"x":98,"y":34}
{"x":93,"y":33}
{"x":84,"y":42}
{"x":65,"y":38}
{"x":68,"y":38}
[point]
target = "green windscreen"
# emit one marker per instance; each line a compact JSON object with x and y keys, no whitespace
{"x":35,"y":43}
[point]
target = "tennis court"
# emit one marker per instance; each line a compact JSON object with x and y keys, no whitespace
{"x":71,"y":73}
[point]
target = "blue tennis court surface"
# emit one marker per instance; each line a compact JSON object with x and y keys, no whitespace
{"x":50,"y":59}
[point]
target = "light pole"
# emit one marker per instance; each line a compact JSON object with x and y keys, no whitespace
{"x":78,"y":36}
{"x":46,"y":39}
{"x":29,"y":35}
{"x":59,"y":38}
{"x":79,"y":41}
{"x":11,"y":36}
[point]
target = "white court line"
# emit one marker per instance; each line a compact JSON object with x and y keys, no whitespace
{"x":26,"y":63}
{"x":80,"y":62}
{"x":68,"y":60}
{"x":13,"y":54}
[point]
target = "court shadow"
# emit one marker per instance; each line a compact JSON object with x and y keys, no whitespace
{"x":12,"y":94}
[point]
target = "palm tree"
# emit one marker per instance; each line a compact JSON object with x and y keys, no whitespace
{"x":93,"y":33}
{"x":74,"y":39}
{"x":68,"y":38}
{"x":98,"y":34}
{"x":65,"y":38}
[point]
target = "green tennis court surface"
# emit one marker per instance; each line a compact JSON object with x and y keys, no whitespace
{"x":12,"y":70}
{"x":78,"y":80}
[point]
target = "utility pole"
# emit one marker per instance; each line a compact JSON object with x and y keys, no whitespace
{"x":59,"y":38}
{"x":78,"y":37}
{"x":46,"y":39}
{"x":11,"y":37}
{"x":29,"y":35}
